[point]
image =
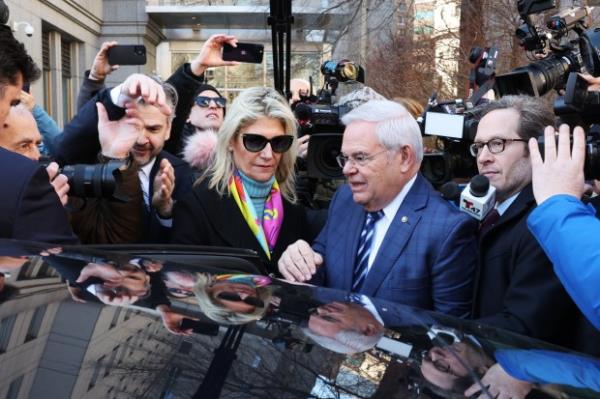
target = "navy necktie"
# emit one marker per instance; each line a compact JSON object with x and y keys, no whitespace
{"x":489,"y":221}
{"x":364,"y":249}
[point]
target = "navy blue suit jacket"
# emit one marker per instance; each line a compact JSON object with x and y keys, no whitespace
{"x":427,"y":260}
{"x":31,"y":209}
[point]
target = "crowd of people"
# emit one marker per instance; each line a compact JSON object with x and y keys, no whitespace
{"x":197,"y":170}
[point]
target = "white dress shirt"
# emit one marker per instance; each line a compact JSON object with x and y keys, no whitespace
{"x":383,"y":224}
{"x":501,"y":207}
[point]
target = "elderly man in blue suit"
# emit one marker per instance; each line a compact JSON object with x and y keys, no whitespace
{"x":389,"y":234}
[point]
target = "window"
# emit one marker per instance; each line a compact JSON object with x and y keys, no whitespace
{"x":111,"y":361}
{"x":46,"y":73}
{"x":36,"y":323}
{"x":6,"y":327}
{"x":26,"y":272}
{"x":14,"y":388}
{"x":67,"y":100}
{"x":97,"y":369}
{"x":115,"y":318}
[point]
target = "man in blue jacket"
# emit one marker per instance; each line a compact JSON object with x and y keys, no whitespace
{"x":389,"y":234}
{"x":567,"y":229}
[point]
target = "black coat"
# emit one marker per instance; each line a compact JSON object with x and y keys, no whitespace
{"x":204,"y":217}
{"x":515,"y":285}
{"x":30,"y":209}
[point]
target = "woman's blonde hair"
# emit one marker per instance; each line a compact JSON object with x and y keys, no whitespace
{"x":220,"y":313}
{"x":249,"y":106}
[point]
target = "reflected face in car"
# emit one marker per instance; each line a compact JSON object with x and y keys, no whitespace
{"x":328,"y":320}
{"x":134,"y":280}
{"x":236,"y":297}
{"x":180,"y":284}
{"x":445,"y":366}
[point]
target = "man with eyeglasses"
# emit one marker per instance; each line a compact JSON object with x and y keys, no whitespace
{"x":389,"y":234}
{"x":515,"y":287}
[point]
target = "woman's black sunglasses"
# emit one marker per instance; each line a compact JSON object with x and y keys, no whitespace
{"x":256,"y":142}
{"x":204,"y":102}
{"x":235,"y":297}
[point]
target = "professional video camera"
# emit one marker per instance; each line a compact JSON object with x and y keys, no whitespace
{"x":580,"y":107}
{"x":320,"y":117}
{"x":557,"y":52}
{"x":93,"y":181}
{"x":454,"y":123}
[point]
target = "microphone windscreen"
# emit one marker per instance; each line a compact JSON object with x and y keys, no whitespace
{"x":302,"y":111}
{"x":450,"y":191}
{"x":479,"y":186}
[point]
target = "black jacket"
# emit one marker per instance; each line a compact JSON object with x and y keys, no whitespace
{"x":515,"y":285}
{"x":30,"y":209}
{"x":204,"y":217}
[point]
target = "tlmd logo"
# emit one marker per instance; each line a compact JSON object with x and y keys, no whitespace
{"x":469,"y":207}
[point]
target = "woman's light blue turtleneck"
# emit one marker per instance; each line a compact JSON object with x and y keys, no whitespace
{"x":257,"y":191}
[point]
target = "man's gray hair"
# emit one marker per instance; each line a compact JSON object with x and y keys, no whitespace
{"x":534,"y":115}
{"x":345,"y":342}
{"x":395,"y":126}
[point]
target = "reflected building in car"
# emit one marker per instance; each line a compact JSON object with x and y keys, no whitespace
{"x":53,"y":347}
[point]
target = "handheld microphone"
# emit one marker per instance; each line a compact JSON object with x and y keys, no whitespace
{"x":478,"y":198}
{"x":303,"y":113}
{"x":450,"y":192}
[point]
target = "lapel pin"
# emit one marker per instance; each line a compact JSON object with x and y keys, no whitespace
{"x":404,"y":219}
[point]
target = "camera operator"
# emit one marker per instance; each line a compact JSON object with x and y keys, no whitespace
{"x":567,"y":229}
{"x":31,"y":209}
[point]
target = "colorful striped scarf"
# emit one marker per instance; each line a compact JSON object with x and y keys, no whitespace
{"x":266,"y":232}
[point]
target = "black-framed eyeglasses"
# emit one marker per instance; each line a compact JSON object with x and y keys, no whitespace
{"x":235,"y":297}
{"x":495,"y":146}
{"x":257,"y":142}
{"x":204,"y":102}
{"x":360,"y":159}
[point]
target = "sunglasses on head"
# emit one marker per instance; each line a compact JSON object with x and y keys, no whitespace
{"x":256,"y":142}
{"x":235,"y":297}
{"x":204,"y":102}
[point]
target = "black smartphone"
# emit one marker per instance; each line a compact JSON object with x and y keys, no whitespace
{"x":244,"y":52}
{"x":134,"y":54}
{"x":26,"y":87}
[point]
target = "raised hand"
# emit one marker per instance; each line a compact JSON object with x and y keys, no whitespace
{"x":561,"y":171}
{"x":101,"y":68}
{"x":138,"y":85}
{"x":117,"y":137}
{"x":164,"y":184}
{"x":211,"y":54}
